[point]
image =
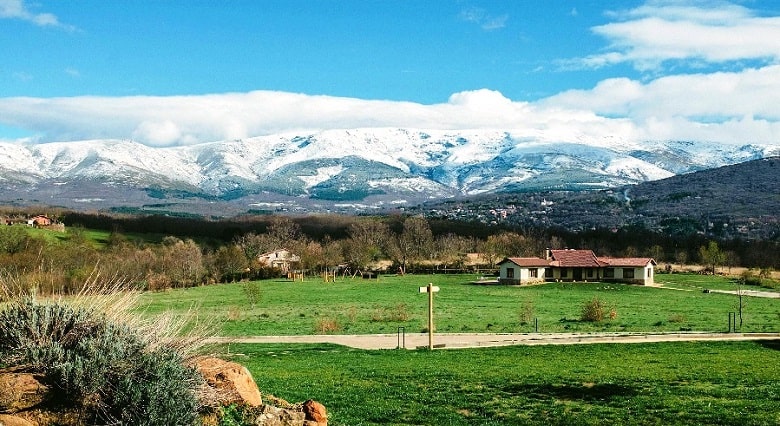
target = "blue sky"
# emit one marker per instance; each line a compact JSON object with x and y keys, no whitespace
{"x":182,"y":72}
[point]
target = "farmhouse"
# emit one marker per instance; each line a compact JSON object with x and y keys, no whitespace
{"x":281,"y":259}
{"x":40,"y":221}
{"x":576,"y":265}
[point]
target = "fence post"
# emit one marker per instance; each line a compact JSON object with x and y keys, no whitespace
{"x":401,"y":338}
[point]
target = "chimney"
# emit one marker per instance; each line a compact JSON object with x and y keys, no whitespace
{"x":548,"y":253}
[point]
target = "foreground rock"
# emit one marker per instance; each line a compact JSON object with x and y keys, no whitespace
{"x":26,"y":401}
{"x":20,"y":391}
{"x":232,"y":382}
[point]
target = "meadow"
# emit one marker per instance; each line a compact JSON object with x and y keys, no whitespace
{"x":734,"y":383}
{"x":682,"y":383}
{"x":357,"y":306}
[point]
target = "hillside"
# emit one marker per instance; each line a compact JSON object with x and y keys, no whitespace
{"x":741,"y":200}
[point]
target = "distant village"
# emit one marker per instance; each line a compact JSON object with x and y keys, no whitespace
{"x":38,"y":221}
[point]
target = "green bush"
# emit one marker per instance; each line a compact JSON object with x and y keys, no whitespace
{"x":596,"y":310}
{"x":105,"y":368}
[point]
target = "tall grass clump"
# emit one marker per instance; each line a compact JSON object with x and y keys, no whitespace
{"x":100,"y":359}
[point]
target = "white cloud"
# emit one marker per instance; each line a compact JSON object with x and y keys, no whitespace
{"x":715,"y":97}
{"x":735,"y":107}
{"x":662,"y":31}
{"x":482,"y":18}
{"x":16,"y":9}
{"x":192,"y":119}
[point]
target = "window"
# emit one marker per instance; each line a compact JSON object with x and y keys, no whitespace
{"x":548,"y":273}
{"x":533,"y":272}
{"x":564,"y":272}
{"x":590,"y":273}
{"x":510,"y":272}
{"x":649,"y":273}
{"x":628,"y":272}
{"x":609,"y":273}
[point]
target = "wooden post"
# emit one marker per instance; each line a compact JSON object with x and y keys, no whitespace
{"x":430,"y":289}
{"x":430,"y":317}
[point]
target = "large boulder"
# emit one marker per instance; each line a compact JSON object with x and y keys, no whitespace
{"x":20,"y":391}
{"x":315,"y":413}
{"x":232,"y":381}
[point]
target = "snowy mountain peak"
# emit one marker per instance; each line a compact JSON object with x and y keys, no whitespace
{"x":357,"y":163}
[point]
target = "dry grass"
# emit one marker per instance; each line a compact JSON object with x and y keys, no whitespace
{"x":327,"y":326}
{"x":110,"y":298}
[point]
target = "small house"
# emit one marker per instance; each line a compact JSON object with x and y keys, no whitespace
{"x":576,"y":265}
{"x":522,"y":270}
{"x":40,"y":221}
{"x":281,"y":259}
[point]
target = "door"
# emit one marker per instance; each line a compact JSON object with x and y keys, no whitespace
{"x":577,"y":274}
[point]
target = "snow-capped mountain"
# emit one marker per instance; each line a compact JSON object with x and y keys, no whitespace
{"x":359,"y":163}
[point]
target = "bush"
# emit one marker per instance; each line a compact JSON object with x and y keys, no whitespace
{"x":326,"y":326}
{"x":596,"y":310}
{"x":253,"y":293}
{"x":104,"y":368}
{"x":526,"y":312}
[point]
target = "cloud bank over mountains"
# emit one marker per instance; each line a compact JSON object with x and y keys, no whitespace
{"x":709,"y":71}
{"x":735,"y":107}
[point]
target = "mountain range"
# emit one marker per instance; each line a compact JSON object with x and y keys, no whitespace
{"x":327,"y":169}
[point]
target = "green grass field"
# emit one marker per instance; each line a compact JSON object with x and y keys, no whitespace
{"x":723,"y":383}
{"x":381,"y":306}
{"x":735,"y":383}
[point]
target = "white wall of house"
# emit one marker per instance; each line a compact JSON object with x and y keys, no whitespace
{"x":510,"y":272}
{"x":637,"y":275}
{"x":568,"y":274}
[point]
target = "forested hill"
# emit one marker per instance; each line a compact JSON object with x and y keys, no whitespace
{"x":738,"y":201}
{"x":748,"y":190}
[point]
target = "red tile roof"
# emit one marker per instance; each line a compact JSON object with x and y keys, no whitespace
{"x":638,"y":262}
{"x":575,"y":259}
{"x":527,"y":262}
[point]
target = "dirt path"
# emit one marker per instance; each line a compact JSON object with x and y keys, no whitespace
{"x":458,"y":340}
{"x":753,"y":293}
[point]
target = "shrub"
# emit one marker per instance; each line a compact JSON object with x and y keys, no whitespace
{"x":326,"y":325}
{"x":596,"y":310}
{"x":526,"y":313}
{"x":253,"y":293}
{"x":157,"y":389}
{"x":105,"y":368}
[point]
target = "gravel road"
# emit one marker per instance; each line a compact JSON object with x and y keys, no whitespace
{"x":463,"y":340}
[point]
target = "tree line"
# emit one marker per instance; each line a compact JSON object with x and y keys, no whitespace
{"x":191,"y":252}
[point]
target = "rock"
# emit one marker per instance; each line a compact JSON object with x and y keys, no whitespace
{"x":315,"y":412}
{"x":53,"y":416}
{"x":232,"y":381}
{"x":269,"y":415}
{"x":9,"y":420}
{"x":275,"y":416}
{"x":20,"y":391}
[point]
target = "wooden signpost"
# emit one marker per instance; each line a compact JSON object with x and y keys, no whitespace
{"x":430,"y":289}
